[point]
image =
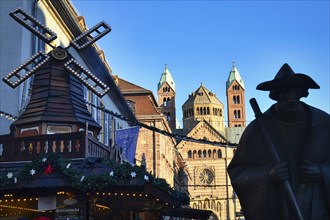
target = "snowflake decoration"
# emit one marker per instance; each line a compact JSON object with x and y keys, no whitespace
{"x":111,"y":173}
{"x":133,"y":174}
{"x":82,"y":178}
{"x":44,"y":159}
{"x":10,"y":175}
{"x":32,"y":172}
{"x":68,"y":166}
{"x":146,"y":178}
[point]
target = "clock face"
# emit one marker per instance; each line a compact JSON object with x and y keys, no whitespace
{"x":206,"y":176}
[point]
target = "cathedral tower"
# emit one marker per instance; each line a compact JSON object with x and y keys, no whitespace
{"x":166,"y":97}
{"x":235,"y":99}
{"x":203,"y":105}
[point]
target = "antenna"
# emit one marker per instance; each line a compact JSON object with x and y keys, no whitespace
{"x":33,"y":64}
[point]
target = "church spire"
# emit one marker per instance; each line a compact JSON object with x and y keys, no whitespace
{"x":234,"y":76}
{"x":166,"y":77}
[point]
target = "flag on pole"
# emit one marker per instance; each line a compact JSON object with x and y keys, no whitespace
{"x":127,"y":140}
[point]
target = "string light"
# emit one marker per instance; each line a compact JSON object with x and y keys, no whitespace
{"x":7,"y":115}
{"x":163,"y":132}
{"x":89,"y":37}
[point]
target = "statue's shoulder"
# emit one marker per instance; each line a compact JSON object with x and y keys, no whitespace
{"x":319,"y":115}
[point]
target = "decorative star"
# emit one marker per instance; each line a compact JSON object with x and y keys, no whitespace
{"x":44,"y":159}
{"x":82,"y":178}
{"x":146,"y":177}
{"x":133,"y":174}
{"x":49,"y":169}
{"x":10,"y":175}
{"x":111,"y":173}
{"x":32,"y":172}
{"x":68,"y":166}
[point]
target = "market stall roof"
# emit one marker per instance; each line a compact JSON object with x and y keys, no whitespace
{"x":90,"y":175}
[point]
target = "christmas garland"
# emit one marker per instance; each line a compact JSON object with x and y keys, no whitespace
{"x":118,"y":175}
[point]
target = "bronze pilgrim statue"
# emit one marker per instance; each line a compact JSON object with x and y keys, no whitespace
{"x":281,"y":169}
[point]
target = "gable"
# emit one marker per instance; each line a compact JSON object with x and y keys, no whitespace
{"x":204,"y":131}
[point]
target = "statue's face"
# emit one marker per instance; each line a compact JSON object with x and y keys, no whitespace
{"x":289,"y":100}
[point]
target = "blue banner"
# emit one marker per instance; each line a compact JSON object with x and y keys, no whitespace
{"x":127,"y":140}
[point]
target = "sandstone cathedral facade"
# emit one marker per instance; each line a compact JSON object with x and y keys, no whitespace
{"x":208,"y":183}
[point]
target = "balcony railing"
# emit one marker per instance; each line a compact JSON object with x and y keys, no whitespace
{"x":70,"y":145}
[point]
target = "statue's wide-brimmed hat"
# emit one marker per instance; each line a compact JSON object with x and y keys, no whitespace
{"x":286,"y":78}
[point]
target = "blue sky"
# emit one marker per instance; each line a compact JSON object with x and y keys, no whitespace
{"x":199,"y":40}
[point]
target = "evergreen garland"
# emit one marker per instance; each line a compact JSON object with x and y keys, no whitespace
{"x":120,"y":174}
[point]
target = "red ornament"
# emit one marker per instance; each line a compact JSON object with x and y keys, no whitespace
{"x":49,"y":169}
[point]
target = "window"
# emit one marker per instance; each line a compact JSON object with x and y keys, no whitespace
{"x":168,"y":101}
{"x":189,"y":154}
{"x":106,"y":129}
{"x":204,"y":153}
{"x":219,"y":154}
{"x":209,"y":153}
{"x":199,"y":154}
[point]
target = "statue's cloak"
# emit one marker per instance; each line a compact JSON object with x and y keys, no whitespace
{"x":248,"y":170}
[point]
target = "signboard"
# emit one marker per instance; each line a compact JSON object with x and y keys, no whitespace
{"x":70,"y":207}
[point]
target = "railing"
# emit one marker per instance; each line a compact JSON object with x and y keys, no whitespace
{"x":70,"y":145}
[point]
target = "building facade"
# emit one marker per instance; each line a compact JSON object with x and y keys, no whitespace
{"x":156,"y":151}
{"x":18,"y":44}
{"x":208,"y":183}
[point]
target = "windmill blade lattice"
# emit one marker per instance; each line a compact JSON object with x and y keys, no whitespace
{"x":100,"y":29}
{"x":33,"y":25}
{"x":87,"y":78}
{"x":20,"y":74}
{"x":37,"y":61}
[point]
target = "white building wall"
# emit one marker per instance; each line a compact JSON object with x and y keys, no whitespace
{"x":18,"y":44}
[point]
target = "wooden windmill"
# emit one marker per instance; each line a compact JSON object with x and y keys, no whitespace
{"x":57,"y":102}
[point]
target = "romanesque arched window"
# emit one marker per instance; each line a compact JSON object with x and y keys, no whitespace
{"x":189,"y":154}
{"x":235,"y":114}
{"x":234,"y":99}
{"x":204,"y":110}
{"x":206,"y":204}
{"x":194,"y":154}
{"x":168,"y":116}
{"x":204,"y":153}
{"x":238,"y":100}
{"x":164,"y":102}
{"x":239,"y":114}
{"x":199,"y":154}
{"x":168,"y":101}
{"x":209,"y":153}
{"x":214,"y":153}
{"x":208,"y":110}
{"x":219,"y":154}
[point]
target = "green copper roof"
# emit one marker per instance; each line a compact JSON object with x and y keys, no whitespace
{"x":234,"y":75}
{"x":166,"y":77}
